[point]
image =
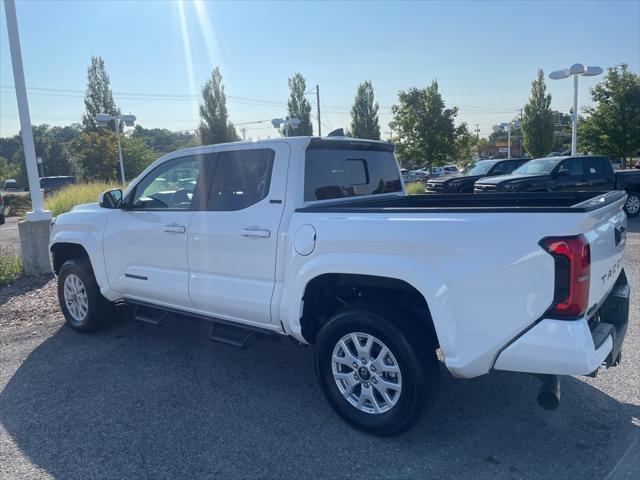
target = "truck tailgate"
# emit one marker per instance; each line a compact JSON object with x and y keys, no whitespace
{"x":607,"y":239}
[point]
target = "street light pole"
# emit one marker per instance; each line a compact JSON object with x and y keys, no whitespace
{"x":38,"y":212}
{"x":576,"y":70}
{"x":103,"y":120}
{"x":122,"y":179}
{"x":574,"y":118}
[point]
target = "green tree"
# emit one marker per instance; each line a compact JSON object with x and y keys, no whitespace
{"x":464,"y":144}
{"x":561,"y":131}
{"x":95,"y":156}
{"x":136,"y":156}
{"x":613,"y":124}
{"x":425,"y":132}
{"x":364,"y":113}
{"x":215,"y":126}
{"x":98,"y":97}
{"x":7,"y":169}
{"x":162,"y":140}
{"x":537,"y":122}
{"x":299,"y":107}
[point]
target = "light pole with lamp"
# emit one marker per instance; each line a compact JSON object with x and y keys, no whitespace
{"x":576,"y":70}
{"x":103,"y":120}
{"x":508,"y":127}
{"x":292,"y":122}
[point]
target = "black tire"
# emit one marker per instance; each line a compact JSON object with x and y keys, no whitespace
{"x":100,"y":312}
{"x":633,"y":198}
{"x":1,"y":219}
{"x":411,"y":348}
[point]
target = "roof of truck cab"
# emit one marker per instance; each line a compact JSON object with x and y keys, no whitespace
{"x":293,"y":141}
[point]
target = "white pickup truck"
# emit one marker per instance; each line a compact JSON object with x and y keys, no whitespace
{"x":314,"y":238}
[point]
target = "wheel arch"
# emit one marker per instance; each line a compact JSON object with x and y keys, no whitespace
{"x":411,"y":284}
{"x":65,"y":244}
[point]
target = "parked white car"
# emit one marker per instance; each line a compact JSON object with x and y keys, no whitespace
{"x":314,"y":238}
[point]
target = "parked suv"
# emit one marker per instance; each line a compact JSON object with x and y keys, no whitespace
{"x":574,"y":174}
{"x":2,"y":210}
{"x":463,"y":183}
{"x":10,"y":184}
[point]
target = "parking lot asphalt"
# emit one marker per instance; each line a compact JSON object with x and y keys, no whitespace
{"x":141,"y":402}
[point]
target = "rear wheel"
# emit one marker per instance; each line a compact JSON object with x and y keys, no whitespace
{"x":632,"y":206}
{"x":376,"y":376}
{"x":84,"y":308}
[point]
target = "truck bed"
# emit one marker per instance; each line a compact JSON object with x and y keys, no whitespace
{"x":534,"y":202}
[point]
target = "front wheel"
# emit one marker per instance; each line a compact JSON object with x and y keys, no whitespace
{"x":376,"y":376}
{"x":83,"y":306}
{"x":632,"y":206}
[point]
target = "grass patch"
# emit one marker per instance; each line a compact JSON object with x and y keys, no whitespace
{"x":68,"y":197}
{"x":415,"y":188}
{"x":10,"y":265}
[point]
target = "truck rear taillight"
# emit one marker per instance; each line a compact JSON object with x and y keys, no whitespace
{"x":572,"y":257}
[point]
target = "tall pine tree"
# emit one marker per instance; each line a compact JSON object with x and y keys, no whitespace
{"x":215,"y":126}
{"x":364,"y":114}
{"x":537,"y":122}
{"x":299,"y":107}
{"x":98,"y":97}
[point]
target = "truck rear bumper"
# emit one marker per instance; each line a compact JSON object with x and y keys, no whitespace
{"x":572,"y":347}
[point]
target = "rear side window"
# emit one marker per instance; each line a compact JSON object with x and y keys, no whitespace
{"x":241,"y":179}
{"x":596,"y":166}
{"x":332,"y":173}
{"x":571,"y":166}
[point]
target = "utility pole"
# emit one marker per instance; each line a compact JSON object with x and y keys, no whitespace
{"x":244,"y":133}
{"x":318,"y":105}
{"x":23,"y":111}
{"x":478,"y":131}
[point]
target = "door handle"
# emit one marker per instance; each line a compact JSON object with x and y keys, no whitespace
{"x":255,"y":232}
{"x":175,"y":228}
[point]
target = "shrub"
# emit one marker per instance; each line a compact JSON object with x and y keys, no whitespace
{"x":68,"y":197}
{"x":415,"y":188}
{"x":17,"y":204}
{"x":10,"y":265}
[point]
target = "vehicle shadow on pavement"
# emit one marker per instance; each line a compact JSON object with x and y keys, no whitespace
{"x":148,"y":402}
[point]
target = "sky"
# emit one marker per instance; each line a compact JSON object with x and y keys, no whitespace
{"x":158,"y":54}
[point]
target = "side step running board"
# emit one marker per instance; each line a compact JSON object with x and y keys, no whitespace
{"x":234,"y":336}
{"x":153,"y":316}
{"x":223,"y":331}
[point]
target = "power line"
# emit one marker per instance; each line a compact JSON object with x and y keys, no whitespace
{"x":62,"y":92}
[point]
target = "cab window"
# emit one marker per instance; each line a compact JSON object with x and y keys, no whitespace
{"x":332,"y":173}
{"x":241,"y":179}
{"x":596,"y":167}
{"x":170,"y":186}
{"x":570,"y":166}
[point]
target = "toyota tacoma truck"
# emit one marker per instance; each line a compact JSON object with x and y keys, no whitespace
{"x":315,"y":239}
{"x":558,"y":174}
{"x":463,"y":183}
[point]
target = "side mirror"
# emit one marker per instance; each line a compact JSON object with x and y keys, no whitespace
{"x":562,"y":172}
{"x":111,"y":199}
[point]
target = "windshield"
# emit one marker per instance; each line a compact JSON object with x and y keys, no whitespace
{"x":481,"y":168}
{"x":539,"y":166}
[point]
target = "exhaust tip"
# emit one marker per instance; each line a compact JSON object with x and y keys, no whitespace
{"x":549,"y":394}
